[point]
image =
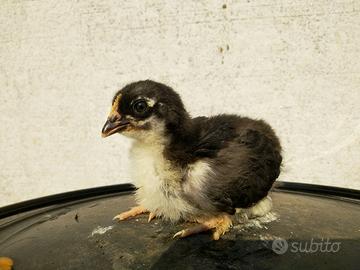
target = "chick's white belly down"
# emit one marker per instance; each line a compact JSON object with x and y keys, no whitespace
{"x":158,"y":184}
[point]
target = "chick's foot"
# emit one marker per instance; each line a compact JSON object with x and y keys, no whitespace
{"x":135,"y":211}
{"x":220,"y":225}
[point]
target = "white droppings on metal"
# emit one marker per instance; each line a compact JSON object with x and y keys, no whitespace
{"x":259,"y":222}
{"x":101,"y":230}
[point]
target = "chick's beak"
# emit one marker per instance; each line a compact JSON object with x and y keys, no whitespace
{"x":114,"y":124}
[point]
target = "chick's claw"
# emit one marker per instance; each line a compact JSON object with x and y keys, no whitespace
{"x":135,"y":211}
{"x":179,"y":234}
{"x":152,"y":215}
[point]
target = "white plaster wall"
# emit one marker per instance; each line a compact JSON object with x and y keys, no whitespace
{"x":295,"y":63}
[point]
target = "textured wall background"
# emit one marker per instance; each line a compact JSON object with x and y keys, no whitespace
{"x":294,"y":63}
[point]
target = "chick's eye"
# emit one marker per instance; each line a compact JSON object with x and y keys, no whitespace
{"x":140,"y":106}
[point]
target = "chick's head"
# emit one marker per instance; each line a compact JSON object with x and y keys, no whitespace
{"x":147,"y":111}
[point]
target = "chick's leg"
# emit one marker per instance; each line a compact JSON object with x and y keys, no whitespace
{"x":219,"y":225}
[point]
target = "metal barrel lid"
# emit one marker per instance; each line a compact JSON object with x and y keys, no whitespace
{"x":315,"y":227}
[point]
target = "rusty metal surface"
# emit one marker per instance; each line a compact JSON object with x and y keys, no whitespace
{"x":82,"y":235}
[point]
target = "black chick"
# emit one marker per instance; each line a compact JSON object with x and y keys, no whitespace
{"x":195,"y":169}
